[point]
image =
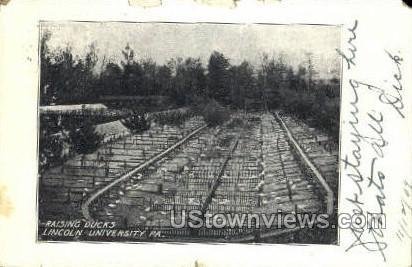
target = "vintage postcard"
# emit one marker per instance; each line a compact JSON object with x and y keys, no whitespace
{"x":207,"y":139}
{"x":201,"y":134}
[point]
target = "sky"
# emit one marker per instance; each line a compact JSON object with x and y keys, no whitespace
{"x":238,"y":42}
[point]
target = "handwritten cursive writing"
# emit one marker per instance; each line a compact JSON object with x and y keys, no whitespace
{"x":367,"y":132}
{"x":404,"y":230}
{"x":350,"y":56}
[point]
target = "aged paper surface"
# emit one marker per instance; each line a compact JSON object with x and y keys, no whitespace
{"x":117,"y":118}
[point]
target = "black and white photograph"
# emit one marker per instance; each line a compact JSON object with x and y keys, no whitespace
{"x":188,"y":132}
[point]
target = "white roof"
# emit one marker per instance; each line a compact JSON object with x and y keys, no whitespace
{"x":71,"y":108}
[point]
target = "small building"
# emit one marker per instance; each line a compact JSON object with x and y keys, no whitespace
{"x":68,"y":109}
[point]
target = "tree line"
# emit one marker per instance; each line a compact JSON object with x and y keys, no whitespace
{"x":69,"y":79}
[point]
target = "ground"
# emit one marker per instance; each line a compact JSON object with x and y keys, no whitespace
{"x":247,"y":165}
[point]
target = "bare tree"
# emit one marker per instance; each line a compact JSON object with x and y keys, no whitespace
{"x":311,"y":72}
